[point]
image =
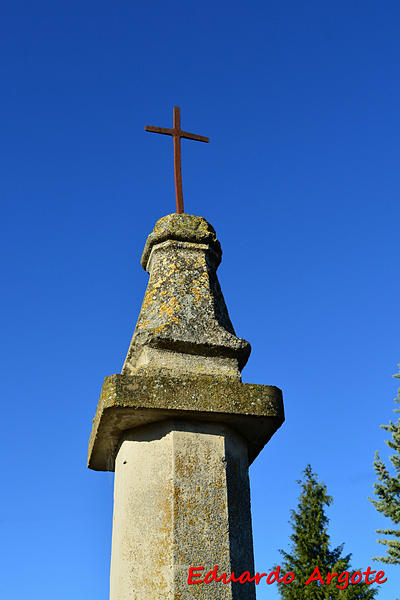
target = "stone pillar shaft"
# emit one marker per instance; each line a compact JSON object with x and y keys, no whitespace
{"x":181,"y":500}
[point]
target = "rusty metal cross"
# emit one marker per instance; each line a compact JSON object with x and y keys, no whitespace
{"x":177,"y":134}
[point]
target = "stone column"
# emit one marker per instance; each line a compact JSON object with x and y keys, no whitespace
{"x":181,"y":500}
{"x":180,"y":430}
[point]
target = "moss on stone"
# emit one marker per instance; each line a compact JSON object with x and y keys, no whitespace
{"x":183,"y":228}
{"x":126,"y":402}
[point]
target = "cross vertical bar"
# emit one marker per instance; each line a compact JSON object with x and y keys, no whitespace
{"x":177,"y":161}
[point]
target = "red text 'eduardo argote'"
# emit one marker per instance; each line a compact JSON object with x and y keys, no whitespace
{"x":340,"y":580}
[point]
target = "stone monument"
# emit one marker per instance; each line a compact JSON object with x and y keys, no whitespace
{"x":180,"y":429}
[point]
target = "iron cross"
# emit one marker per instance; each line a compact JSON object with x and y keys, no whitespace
{"x":177,"y":134}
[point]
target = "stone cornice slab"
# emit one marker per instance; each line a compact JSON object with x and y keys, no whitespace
{"x":126,"y":402}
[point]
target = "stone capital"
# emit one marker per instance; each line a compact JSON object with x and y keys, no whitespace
{"x":126,"y":402}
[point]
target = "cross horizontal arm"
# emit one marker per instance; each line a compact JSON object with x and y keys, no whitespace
{"x":193,"y":136}
{"x":163,"y":130}
{"x":177,"y":133}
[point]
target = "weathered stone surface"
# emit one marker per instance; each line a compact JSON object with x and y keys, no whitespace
{"x":254,"y":411}
{"x":184,"y":326}
{"x":180,"y":429}
{"x":182,"y":500}
{"x":182,"y":228}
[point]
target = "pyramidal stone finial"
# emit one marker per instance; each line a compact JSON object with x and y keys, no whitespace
{"x":184,"y":326}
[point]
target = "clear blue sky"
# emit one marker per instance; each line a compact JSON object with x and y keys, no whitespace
{"x":301,"y":181}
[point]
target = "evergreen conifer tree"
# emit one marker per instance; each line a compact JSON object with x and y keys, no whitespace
{"x":311,"y":548}
{"x":388,"y":491}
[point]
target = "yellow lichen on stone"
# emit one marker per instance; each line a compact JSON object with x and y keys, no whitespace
{"x":143,"y":324}
{"x":170,"y":307}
